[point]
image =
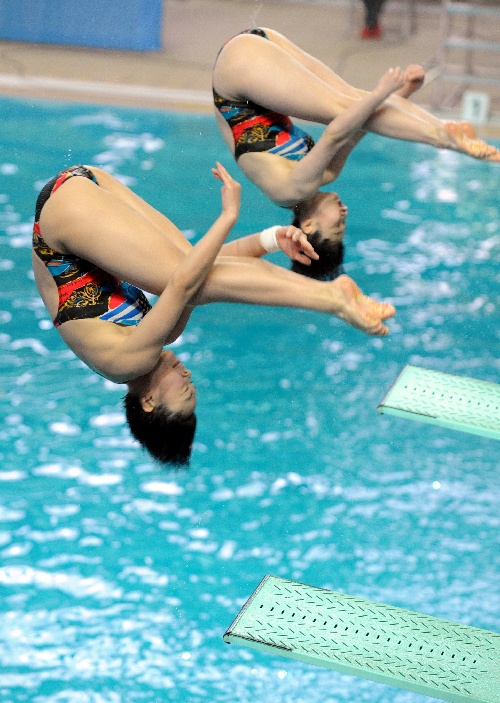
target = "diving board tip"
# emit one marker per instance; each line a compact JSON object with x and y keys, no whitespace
{"x":444,"y":399}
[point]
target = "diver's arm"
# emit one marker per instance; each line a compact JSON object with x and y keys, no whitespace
{"x":334,"y":168}
{"x":355,"y":116}
{"x":288,"y":239}
{"x":250,"y":245}
{"x":325,"y":160}
{"x":140,"y":349}
{"x":181,"y":325}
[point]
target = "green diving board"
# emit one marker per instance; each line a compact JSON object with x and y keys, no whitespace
{"x":455,"y":402}
{"x":390,"y":645}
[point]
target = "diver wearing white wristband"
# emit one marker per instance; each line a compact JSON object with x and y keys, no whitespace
{"x":268,"y":239}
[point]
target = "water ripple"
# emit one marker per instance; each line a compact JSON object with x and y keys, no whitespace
{"x":118,"y":577}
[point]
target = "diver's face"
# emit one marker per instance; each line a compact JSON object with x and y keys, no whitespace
{"x":328,"y":216}
{"x":170,"y":385}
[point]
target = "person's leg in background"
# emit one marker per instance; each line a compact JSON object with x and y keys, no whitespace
{"x":372,"y":30}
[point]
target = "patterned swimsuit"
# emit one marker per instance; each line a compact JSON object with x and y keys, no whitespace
{"x":257,"y":129}
{"x":85,"y":290}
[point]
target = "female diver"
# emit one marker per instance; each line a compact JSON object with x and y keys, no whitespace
{"x":95,"y":243}
{"x":261,"y":78}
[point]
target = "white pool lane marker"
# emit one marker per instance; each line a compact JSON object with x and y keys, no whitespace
{"x":110,"y":90}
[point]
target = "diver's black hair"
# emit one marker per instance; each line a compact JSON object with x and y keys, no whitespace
{"x":329,"y":264}
{"x":331,"y":254}
{"x":168,"y":437}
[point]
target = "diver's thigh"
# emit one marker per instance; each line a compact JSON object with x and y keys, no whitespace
{"x":113,"y":185}
{"x":88,"y":221}
{"x":252,"y":68}
{"x":313,"y":64}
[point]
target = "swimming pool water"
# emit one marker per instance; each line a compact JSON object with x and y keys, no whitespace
{"x":118,"y":578}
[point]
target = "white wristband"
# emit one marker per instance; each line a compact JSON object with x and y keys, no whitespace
{"x":268,"y":239}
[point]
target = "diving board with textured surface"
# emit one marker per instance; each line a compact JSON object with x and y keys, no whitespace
{"x":455,"y":402}
{"x":383,"y":643}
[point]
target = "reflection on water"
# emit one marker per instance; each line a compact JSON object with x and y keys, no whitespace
{"x":118,"y":578}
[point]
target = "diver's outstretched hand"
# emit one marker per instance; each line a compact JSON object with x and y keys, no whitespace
{"x":414,"y":77}
{"x":358,"y":309}
{"x":392,"y":80}
{"x":230,"y":192}
{"x":294,"y":243}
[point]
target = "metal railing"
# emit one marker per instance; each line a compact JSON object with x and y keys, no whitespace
{"x":469,"y":52}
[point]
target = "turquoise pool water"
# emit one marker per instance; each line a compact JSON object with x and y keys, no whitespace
{"x":117,"y":578}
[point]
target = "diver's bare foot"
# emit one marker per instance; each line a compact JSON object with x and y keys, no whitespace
{"x":359,"y":310}
{"x":461,"y":129}
{"x":414,"y":79}
{"x":468,"y":130}
{"x":463,"y":136}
